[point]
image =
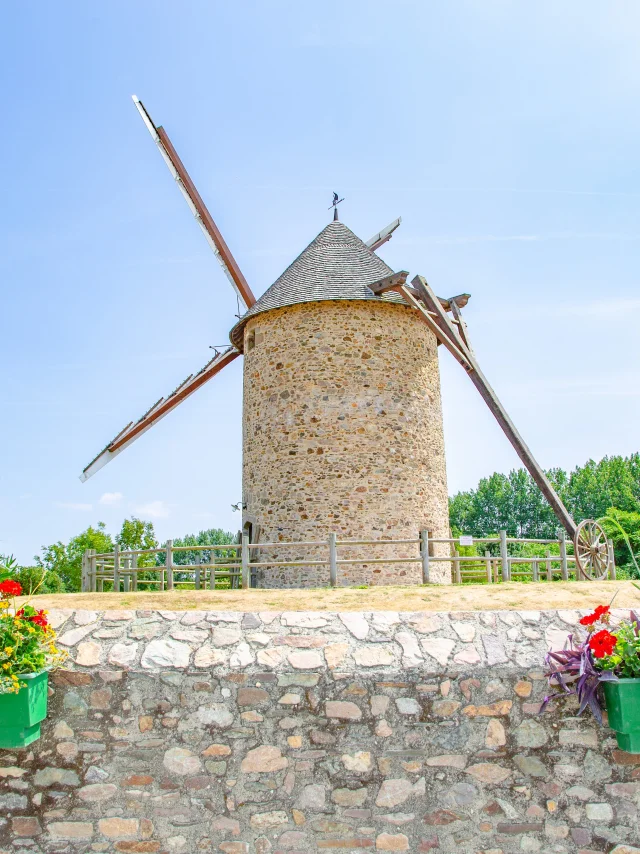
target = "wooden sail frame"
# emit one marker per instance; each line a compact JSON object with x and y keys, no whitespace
{"x":453,"y":335}
{"x":198,"y":208}
{"x":160,"y":408}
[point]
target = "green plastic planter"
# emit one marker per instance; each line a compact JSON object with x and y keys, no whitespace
{"x":21,"y":713}
{"x":622,"y":699}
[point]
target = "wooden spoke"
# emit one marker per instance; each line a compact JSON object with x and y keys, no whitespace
{"x":591,"y":550}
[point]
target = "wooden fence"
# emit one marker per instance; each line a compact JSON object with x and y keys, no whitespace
{"x":121,"y":569}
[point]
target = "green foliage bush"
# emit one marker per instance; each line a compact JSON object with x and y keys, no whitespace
{"x":515,"y":503}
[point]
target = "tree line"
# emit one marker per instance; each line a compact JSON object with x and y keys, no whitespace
{"x":608,"y":490}
{"x":58,"y":567}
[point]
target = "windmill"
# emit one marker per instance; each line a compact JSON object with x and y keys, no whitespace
{"x":342,"y":418}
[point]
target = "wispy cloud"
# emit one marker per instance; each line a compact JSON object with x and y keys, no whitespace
{"x":69,"y":505}
{"x":154,"y":509}
{"x":111,"y":498}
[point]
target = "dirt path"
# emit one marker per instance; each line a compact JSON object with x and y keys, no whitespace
{"x":470,"y":597}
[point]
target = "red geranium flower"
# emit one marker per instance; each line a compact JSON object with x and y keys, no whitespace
{"x":603,"y":643}
{"x":598,"y":614}
{"x":10,"y":588}
{"x":39,"y":619}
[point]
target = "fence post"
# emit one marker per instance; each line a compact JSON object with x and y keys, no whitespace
{"x":488,"y":567}
{"x":333,"y":559}
{"x":549,"y":568}
{"x":134,"y":572}
{"x":245,"y":562}
{"x":168,"y":563}
{"x":535,"y":570}
{"x":612,"y":560}
{"x":212,"y":571}
{"x":562,"y":537}
{"x":456,"y":563}
{"x":85,"y":571}
{"x":424,"y":552}
{"x":92,"y":571}
{"x":198,"y":570}
{"x":116,"y":568}
{"x":504,"y":556}
{"x":126,"y":578}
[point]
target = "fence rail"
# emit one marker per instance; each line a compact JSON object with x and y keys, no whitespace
{"x":120,"y":570}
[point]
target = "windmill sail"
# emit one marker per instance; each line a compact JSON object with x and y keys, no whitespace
{"x":159,"y":409}
{"x":198,"y":208}
{"x":382,"y":236}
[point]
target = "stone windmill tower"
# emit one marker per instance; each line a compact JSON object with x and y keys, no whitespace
{"x":342,"y":422}
{"x":342,"y":414}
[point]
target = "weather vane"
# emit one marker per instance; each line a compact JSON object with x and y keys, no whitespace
{"x":334,"y":205}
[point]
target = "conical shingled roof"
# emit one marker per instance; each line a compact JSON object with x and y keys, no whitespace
{"x":336,"y":265}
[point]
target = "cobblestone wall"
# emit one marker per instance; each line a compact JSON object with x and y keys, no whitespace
{"x":343,"y":432}
{"x":281,"y":733}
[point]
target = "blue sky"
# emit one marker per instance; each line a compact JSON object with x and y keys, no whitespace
{"x":505,"y":134}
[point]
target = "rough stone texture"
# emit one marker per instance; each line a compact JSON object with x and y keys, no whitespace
{"x":326,"y":386}
{"x":446,"y":758}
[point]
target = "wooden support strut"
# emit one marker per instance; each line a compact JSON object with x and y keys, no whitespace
{"x":433,"y":313}
{"x":209,"y":225}
{"x":197,"y":206}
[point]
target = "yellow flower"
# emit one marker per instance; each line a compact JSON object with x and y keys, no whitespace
{"x":4,"y":604}
{"x":31,"y":630}
{"x":6,"y":666}
{"x":8,"y":650}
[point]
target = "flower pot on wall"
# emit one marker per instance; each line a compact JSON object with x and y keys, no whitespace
{"x":21,"y":713}
{"x":622,"y":699}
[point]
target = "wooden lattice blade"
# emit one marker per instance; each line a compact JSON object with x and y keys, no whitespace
{"x":198,"y":208}
{"x":159,"y":409}
{"x":433,"y":312}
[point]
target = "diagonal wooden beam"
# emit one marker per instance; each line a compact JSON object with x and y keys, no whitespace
{"x":161,"y":408}
{"x":462,"y":326}
{"x":432,"y":302}
{"x":197,"y":206}
{"x":434,"y":316}
{"x":521,"y":448}
{"x":429,"y":319}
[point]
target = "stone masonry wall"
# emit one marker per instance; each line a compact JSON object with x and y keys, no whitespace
{"x":307,"y":732}
{"x":343,"y":432}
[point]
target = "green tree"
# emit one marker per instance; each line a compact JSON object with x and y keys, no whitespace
{"x":66,"y":561}
{"x":32,"y":579}
{"x":137,"y":534}
{"x":515,"y":503}
{"x":210,"y":537}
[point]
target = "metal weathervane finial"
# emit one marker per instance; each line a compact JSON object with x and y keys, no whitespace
{"x":334,"y":205}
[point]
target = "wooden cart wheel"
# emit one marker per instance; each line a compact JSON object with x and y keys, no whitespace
{"x":591,"y":550}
